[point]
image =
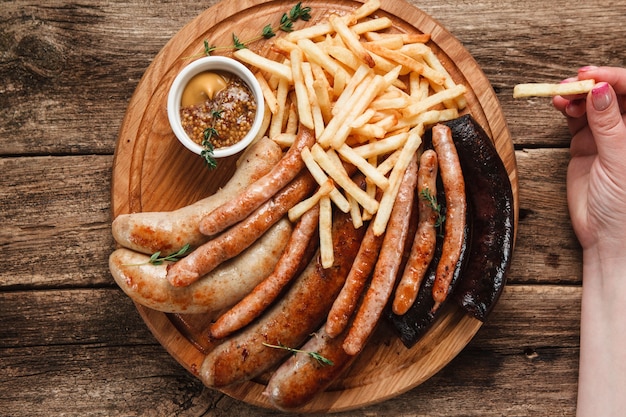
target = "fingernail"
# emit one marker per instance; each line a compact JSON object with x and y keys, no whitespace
{"x":601,"y":96}
{"x":587,"y":68}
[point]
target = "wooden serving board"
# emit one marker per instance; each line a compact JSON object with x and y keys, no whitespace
{"x":153,"y":172}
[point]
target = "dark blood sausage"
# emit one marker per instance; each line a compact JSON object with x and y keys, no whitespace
{"x":491,"y":198}
{"x":299,"y":313}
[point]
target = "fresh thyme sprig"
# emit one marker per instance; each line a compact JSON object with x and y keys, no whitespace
{"x":432,"y":201}
{"x":209,"y":133}
{"x":157,"y":259}
{"x":297,"y":12}
{"x":315,"y":355}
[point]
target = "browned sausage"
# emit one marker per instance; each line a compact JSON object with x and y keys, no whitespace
{"x":456,"y":208}
{"x":236,"y":239}
{"x":289,"y":322}
{"x":423,"y":248}
{"x":301,"y":377}
{"x":386,"y":269}
{"x":260,"y":191}
{"x":268,"y":290}
{"x":168,"y":231}
{"x":346,"y":302}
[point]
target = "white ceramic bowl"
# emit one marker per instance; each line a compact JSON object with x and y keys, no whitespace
{"x":213,"y":63}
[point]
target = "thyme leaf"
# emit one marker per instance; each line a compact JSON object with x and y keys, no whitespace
{"x":157,"y":259}
{"x":315,"y":355}
{"x":297,"y":12}
{"x":209,"y":133}
{"x":432,"y":201}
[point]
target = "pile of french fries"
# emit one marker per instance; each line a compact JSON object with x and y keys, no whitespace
{"x":368,"y":93}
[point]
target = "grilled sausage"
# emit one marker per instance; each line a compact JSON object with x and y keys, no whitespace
{"x":300,"y":312}
{"x":456,"y":207}
{"x":261,"y":190}
{"x":493,"y":213}
{"x":167,"y":232}
{"x":269,"y":289}
{"x":387,"y":266}
{"x":301,"y":377}
{"x":423,"y":248}
{"x":346,"y":302}
{"x":236,"y":239}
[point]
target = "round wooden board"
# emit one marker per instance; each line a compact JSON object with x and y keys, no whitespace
{"x":153,"y":172}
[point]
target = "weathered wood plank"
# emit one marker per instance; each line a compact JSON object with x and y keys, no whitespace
{"x":59,"y":354}
{"x":56,"y":226}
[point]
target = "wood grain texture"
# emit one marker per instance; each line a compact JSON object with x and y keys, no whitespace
{"x":67,"y":73}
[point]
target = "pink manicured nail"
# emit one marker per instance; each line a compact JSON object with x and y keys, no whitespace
{"x":601,"y":96}
{"x":587,"y":68}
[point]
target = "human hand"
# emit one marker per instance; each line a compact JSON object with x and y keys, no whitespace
{"x":596,"y":177}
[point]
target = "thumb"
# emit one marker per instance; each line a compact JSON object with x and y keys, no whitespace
{"x":606,"y":123}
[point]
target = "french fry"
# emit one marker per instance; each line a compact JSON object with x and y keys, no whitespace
{"x":285,"y":140}
{"x":550,"y":90}
{"x":351,"y":40}
{"x":371,"y":25}
{"x":276,"y":125}
{"x":364,"y":166}
{"x":382,"y":147}
{"x":316,"y":111}
{"x":302,"y":95}
{"x":327,"y":255}
{"x":265,"y":64}
{"x":338,"y":174}
{"x":321,"y":178}
{"x":305,"y":205}
{"x":315,"y":53}
{"x":389,"y":195}
{"x":268,"y":93}
{"x":435,"y":99}
{"x":406,"y":61}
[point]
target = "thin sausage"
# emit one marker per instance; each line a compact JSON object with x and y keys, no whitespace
{"x":289,"y":322}
{"x":269,"y":289}
{"x":236,"y":239}
{"x":387,"y":266}
{"x":168,"y":231}
{"x":423,"y":248}
{"x":301,"y":377}
{"x":456,"y":208}
{"x":346,"y":302}
{"x":260,"y":191}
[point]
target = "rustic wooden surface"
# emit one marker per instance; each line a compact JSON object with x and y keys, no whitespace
{"x":72,"y":344}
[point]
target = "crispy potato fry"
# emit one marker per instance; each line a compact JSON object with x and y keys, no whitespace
{"x":406,"y":61}
{"x":265,"y":64}
{"x":325,"y":231}
{"x":382,"y":147}
{"x":305,"y":205}
{"x":364,"y":166}
{"x":351,"y":40}
{"x":321,"y":178}
{"x":371,"y":25}
{"x":389,"y":195}
{"x":302,"y":94}
{"x":268,"y":93}
{"x":315,"y":53}
{"x":549,"y":90}
{"x":433,"y":100}
{"x":276,"y":125}
{"x":338,"y":174}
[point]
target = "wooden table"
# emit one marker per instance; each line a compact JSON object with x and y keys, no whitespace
{"x":71,"y":343}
